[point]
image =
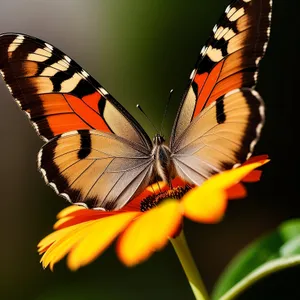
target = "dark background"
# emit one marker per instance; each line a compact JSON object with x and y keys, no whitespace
{"x":139,"y":50}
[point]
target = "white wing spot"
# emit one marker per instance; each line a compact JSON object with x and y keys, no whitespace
{"x":21,"y":37}
{"x":193,"y":74}
{"x":35,"y":127}
{"x":49,"y":46}
{"x":27,"y":114}
{"x":44,"y":175}
{"x":228,"y":8}
{"x":258,"y":60}
{"x":66,"y":196}
{"x":39,"y":158}
{"x":2,"y":74}
{"x":203,"y":49}
{"x":9,"y":88}
{"x":255,"y":76}
{"x":103,"y":91}
{"x":67,"y":58}
{"x":255,"y":94}
{"x":81,"y":204}
{"x":84,"y":73}
{"x":18,"y":102}
{"x":99,"y":208}
{"x":265,"y":47}
{"x":270,"y":15}
{"x":53,"y":185}
{"x":215,"y":28}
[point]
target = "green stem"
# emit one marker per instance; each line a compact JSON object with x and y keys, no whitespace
{"x":189,"y":267}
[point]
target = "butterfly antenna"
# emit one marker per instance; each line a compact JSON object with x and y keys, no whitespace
{"x":165,"y":112}
{"x":141,"y":110}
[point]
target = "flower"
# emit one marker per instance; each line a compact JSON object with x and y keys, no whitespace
{"x":147,"y":222}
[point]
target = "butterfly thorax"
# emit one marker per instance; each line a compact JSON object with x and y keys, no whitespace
{"x":164,"y":165}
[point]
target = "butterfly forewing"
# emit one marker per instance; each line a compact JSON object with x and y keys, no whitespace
{"x":59,"y":96}
{"x":228,"y":61}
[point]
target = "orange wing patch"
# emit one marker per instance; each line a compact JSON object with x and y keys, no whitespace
{"x":54,"y":92}
{"x":86,"y":113}
{"x":206,"y":87}
{"x":64,"y":112}
{"x":92,"y":100}
{"x":57,"y":95}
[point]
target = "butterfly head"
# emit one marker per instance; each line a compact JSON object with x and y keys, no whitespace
{"x":158,"y":140}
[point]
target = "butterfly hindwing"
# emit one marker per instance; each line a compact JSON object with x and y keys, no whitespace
{"x":95,"y":168}
{"x":229,"y":60}
{"x":221,"y":136}
{"x":57,"y":95}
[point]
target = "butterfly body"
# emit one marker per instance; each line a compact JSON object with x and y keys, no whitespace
{"x":164,"y":165}
{"x":98,"y":155}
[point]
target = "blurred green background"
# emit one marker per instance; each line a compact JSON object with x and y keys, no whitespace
{"x":139,"y":50}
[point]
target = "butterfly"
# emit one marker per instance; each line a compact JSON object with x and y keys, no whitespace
{"x":98,"y":155}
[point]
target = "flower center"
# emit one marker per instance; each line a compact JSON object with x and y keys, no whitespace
{"x":153,"y":200}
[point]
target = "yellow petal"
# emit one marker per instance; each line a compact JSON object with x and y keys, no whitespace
{"x":229,"y":178}
{"x":98,"y":237}
{"x":68,"y":210}
{"x":51,"y":238}
{"x":205,"y":205}
{"x":61,"y":221}
{"x":62,"y":246}
{"x":149,"y":233}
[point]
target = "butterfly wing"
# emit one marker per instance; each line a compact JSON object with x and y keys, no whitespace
{"x":66,"y":105}
{"x":95,"y":168}
{"x":57,"y":95}
{"x":228,"y":61}
{"x":222,"y":135}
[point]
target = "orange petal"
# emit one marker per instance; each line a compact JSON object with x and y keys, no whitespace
{"x":256,"y":158}
{"x":87,"y":215}
{"x":155,"y":188}
{"x":237,"y":191}
{"x":178,"y":182}
{"x":254,"y":176}
{"x":134,"y":205}
{"x":97,"y":238}
{"x":149,"y":233}
{"x":205,"y":205}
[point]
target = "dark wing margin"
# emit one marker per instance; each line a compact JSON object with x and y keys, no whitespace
{"x":229,"y":60}
{"x":96,"y":169}
{"x":57,"y":95}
